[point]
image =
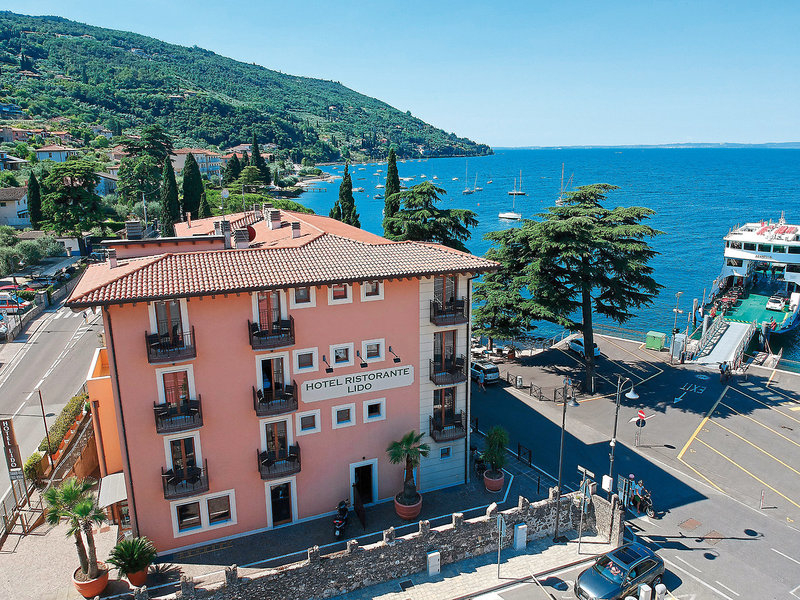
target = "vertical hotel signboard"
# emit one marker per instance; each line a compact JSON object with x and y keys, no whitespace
{"x":10,"y":448}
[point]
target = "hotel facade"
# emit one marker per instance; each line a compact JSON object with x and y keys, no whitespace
{"x":256,"y":369}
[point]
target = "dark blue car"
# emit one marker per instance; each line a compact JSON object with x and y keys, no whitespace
{"x":619,"y":573}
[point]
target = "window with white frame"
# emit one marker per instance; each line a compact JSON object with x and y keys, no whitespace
{"x":202,"y":513}
{"x":219,"y":510}
{"x":303,"y":297}
{"x":374,"y":410}
{"x":343,"y":416}
{"x":307,"y":422}
{"x":339,"y":293}
{"x":188,"y":516}
{"x":305,"y":360}
{"x":372,"y":350}
{"x":341,"y":355}
{"x":445,"y":452}
{"x":371,"y":290}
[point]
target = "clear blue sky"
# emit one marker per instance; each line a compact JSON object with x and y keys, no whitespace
{"x":514,"y":73}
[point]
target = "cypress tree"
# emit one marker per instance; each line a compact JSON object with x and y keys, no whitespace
{"x":34,"y":201}
{"x":192,"y":186}
{"x":204,"y":210}
{"x":392,"y":200}
{"x":245,"y":160}
{"x":258,"y":161}
{"x":232,"y":170}
{"x":345,"y":208}
{"x":170,"y":205}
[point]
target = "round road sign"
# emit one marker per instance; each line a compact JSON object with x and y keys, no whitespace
{"x":225,"y":193}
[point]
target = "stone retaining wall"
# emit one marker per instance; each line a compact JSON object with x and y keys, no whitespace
{"x":333,"y":574}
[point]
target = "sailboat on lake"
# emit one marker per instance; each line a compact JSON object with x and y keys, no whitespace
{"x":467,"y":189}
{"x":511,"y":215}
{"x":515,"y":191}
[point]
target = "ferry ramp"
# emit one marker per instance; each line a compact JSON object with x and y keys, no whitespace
{"x":725,"y":346}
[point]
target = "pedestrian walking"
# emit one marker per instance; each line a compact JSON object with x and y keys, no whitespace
{"x":722,"y":371}
{"x":482,"y":381}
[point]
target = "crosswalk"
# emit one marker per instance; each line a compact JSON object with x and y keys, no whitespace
{"x":66,"y":313}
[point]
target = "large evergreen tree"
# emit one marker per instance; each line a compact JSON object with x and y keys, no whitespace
{"x":583,"y":258}
{"x":34,"y":201}
{"x":232,"y":170}
{"x":392,"y":199}
{"x":258,"y":162}
{"x":71,"y":205}
{"x":152,"y":141}
{"x":192,"y":186}
{"x":420,"y":219}
{"x":204,"y":210}
{"x":170,"y":204}
{"x":245,"y":160}
{"x":344,"y":209}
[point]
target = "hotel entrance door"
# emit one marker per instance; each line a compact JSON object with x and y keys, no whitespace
{"x":281,"y":502}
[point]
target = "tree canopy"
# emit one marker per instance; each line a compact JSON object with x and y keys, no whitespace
{"x":344,"y":209}
{"x":170,"y":205}
{"x":34,"y":201}
{"x":192,"y":186}
{"x":71,"y":205}
{"x":391,"y":199}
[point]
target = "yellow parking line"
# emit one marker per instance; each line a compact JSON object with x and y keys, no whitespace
{"x":701,"y":475}
{"x":761,"y":481}
{"x":754,"y":446}
{"x":767,"y":405}
{"x":778,"y":433}
{"x":703,"y":422}
{"x":795,"y":408}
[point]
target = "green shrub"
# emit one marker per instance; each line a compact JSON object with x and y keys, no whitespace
{"x":32,"y":466}
{"x":133,"y":555}
{"x":63,"y":422}
{"x":26,"y":295}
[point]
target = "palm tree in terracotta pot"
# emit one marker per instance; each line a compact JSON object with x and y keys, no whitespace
{"x":409,"y":450}
{"x":74,"y":501}
{"x":495,"y":455}
{"x":132,"y":557}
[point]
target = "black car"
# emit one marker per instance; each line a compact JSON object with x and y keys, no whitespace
{"x":619,"y":573}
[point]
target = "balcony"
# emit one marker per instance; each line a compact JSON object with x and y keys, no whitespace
{"x":281,"y":334}
{"x":275,"y":402}
{"x":172,"y":418}
{"x":274,"y":467}
{"x":180,"y":483}
{"x":449,"y":313}
{"x":449,"y":371}
{"x":451,"y":429}
{"x":165,"y":348}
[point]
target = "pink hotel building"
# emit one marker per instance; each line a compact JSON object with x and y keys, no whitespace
{"x":258,"y":368}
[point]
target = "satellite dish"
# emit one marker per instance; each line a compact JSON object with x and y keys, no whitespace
{"x":225,"y":193}
{"x":251,"y":233}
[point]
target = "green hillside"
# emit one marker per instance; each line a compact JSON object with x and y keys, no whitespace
{"x":121,"y":80}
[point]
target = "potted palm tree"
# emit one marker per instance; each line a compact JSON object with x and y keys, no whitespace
{"x":495,"y":455}
{"x":132,"y":557}
{"x":74,"y":501}
{"x":409,"y":450}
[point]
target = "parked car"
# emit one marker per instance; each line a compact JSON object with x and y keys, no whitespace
{"x":776,"y":303}
{"x":619,"y":573}
{"x":491,"y":374}
{"x":576,"y":345}
{"x":12,"y":303}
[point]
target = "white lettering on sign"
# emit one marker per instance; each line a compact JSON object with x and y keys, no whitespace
{"x":357,"y":383}
{"x":690,"y":387}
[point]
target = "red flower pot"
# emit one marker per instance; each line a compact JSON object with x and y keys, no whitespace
{"x":92,"y":587}
{"x":493,"y":484}
{"x":408,"y":512}
{"x":138,"y":578}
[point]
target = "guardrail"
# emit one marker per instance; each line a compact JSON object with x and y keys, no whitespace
{"x":743,"y":343}
{"x":715,"y":326}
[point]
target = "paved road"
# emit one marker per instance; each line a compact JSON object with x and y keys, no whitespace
{"x":52,"y":355}
{"x":707,"y":451}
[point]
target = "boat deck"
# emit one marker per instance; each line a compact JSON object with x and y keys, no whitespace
{"x":753,"y":308}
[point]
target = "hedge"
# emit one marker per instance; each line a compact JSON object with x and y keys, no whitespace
{"x":32,"y":466}
{"x":26,"y":295}
{"x":63,"y":422}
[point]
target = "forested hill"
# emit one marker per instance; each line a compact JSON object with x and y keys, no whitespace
{"x":54,"y":67}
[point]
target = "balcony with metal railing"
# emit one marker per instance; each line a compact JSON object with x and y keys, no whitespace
{"x":272,"y":465}
{"x":454,"y":312}
{"x":174,"y":417}
{"x":179,"y":483}
{"x":275,"y":401}
{"x":452,"y":428}
{"x":280,"y":334}
{"x":448,"y":371}
{"x":170,"y":347}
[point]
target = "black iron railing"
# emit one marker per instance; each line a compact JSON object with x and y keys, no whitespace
{"x":272,"y":465}
{"x":280,"y":334}
{"x":448,"y":430}
{"x":172,"y":417}
{"x":170,"y":347}
{"x":449,"y":313}
{"x":275,"y":402}
{"x":449,"y":371}
{"x":184,"y":482}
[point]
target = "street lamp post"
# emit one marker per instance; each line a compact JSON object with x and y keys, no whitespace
{"x":631,"y":395}
{"x":572,"y":402}
{"x":675,"y":326}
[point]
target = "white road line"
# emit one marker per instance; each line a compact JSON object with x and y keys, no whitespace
{"x":794,"y":592}
{"x":688,"y":564}
{"x":794,"y":560}
{"x":698,"y":580}
{"x":38,"y":385}
{"x":719,"y":583}
{"x":21,"y":406}
{"x":29,"y":395}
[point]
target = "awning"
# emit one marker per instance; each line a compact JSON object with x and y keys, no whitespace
{"x":112,"y":490}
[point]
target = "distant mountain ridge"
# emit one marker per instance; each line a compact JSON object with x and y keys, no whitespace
{"x":54,"y":67}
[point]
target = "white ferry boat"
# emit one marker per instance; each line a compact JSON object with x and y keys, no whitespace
{"x":760,"y":279}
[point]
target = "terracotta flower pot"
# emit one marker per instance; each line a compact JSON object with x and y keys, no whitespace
{"x":92,"y":587}
{"x":408,"y":512}
{"x":138,"y":578}
{"x":493,"y":484}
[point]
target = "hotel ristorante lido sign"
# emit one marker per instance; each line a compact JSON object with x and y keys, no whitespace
{"x":357,"y":383}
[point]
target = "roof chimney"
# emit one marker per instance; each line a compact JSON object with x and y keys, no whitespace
{"x":112,"y":258}
{"x":295,"y":229}
{"x":217,"y":227}
{"x":241,"y":239}
{"x":274,"y":219}
{"x":189,"y":219}
{"x":133,"y":230}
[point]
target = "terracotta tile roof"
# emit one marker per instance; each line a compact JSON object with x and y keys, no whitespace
{"x":13,"y":193}
{"x":326,"y":258}
{"x":55,"y":148}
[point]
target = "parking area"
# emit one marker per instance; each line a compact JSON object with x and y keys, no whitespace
{"x":747,"y":446}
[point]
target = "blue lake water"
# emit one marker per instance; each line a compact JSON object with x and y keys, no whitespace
{"x":698,"y":194}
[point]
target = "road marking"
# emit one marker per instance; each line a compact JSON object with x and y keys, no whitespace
{"x":21,"y":406}
{"x":786,"y":556}
{"x":702,"y":423}
{"x":761,"y":481}
{"x":793,"y":592}
{"x":795,"y":408}
{"x":38,"y":385}
{"x":688,"y":564}
{"x":719,"y":583}
{"x":697,"y":579}
{"x":754,"y":446}
{"x":768,"y":406}
{"x":679,"y":398}
{"x":778,"y":433}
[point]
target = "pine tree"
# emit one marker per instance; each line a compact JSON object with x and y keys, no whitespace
{"x":192,"y":186}
{"x":232,"y":170}
{"x":245,"y":160}
{"x":392,"y":200}
{"x":34,"y":201}
{"x":170,"y":205}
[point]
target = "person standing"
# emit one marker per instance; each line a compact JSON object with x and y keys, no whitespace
{"x":481,"y":381}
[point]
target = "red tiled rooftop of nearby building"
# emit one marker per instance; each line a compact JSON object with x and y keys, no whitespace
{"x":55,"y":148}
